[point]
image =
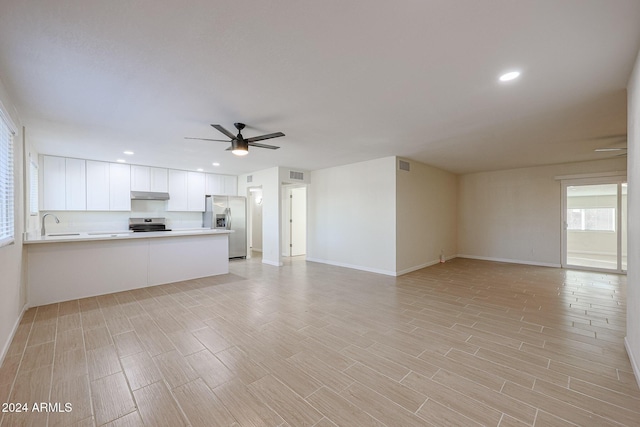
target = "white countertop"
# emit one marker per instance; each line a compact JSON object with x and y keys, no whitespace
{"x":117,"y":235}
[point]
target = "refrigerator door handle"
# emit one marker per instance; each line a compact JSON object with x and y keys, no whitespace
{"x":228,"y":219}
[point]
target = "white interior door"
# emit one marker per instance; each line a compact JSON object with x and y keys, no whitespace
{"x":298,"y":222}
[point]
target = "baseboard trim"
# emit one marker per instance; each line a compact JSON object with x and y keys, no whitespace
{"x":632,"y":359}
{"x":510,"y":261}
{"x":5,"y":348}
{"x":352,"y":266}
{"x":275,"y":264}
{"x":421,"y":266}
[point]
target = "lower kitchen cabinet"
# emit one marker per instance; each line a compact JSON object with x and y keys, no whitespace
{"x":70,"y":270}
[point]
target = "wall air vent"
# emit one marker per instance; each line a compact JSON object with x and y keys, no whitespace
{"x":249,"y":178}
{"x":296,"y":175}
{"x":404,"y":166}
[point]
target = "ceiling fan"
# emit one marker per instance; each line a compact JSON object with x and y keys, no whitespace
{"x":619,"y":145}
{"x":239,"y":144}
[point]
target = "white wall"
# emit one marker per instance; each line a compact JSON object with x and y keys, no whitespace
{"x":351,"y":217}
{"x":515,"y":215}
{"x":12,"y":271}
{"x":269,"y":180}
{"x":426,"y":216}
{"x":632,"y":340}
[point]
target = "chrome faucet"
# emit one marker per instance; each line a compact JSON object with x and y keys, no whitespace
{"x":42,"y":230}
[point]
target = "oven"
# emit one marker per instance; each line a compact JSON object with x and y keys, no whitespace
{"x":147,"y":224}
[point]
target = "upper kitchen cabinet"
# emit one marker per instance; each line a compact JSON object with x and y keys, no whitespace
{"x":230,"y":185}
{"x":222,"y":185}
{"x":145,"y":178}
{"x":63,"y":184}
{"x":119,"y":187}
{"x":195,"y":191}
{"x":75,"y":184}
{"x":177,"y":190}
{"x":186,"y":191}
{"x":108,"y":186}
{"x":97,"y":186}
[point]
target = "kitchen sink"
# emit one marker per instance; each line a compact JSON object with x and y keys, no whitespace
{"x":62,"y":234}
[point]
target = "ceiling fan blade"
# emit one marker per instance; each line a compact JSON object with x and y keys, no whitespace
{"x":262,"y":137}
{"x":271,"y":147}
{"x":206,"y":139}
{"x":224,"y":131}
{"x":602,"y":150}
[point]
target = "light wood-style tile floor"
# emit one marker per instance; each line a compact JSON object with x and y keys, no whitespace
{"x":463,"y":343}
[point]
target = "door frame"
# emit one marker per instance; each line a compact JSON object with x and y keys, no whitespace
{"x":286,"y":216}
{"x":616,"y":179}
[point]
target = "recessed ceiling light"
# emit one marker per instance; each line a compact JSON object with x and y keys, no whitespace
{"x":128,"y":153}
{"x":511,"y":75}
{"x":199,"y":169}
{"x":215,"y":164}
{"x":121,"y":161}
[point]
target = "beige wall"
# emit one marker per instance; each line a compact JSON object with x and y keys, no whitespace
{"x":633,"y":275}
{"x":12,"y":289}
{"x":515,"y":215}
{"x":351,"y":217}
{"x":426,"y":219}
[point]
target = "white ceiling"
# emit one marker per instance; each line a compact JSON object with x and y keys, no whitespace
{"x":346,"y":81}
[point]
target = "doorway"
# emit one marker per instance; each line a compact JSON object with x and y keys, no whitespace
{"x":595,"y":224}
{"x":255,"y":222}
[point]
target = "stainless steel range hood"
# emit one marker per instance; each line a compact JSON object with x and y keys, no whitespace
{"x":149,"y":195}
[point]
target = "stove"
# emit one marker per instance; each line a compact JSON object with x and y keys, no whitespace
{"x":147,"y":224}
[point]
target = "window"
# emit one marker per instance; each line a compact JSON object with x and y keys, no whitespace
{"x":591,"y":219}
{"x":6,"y":182}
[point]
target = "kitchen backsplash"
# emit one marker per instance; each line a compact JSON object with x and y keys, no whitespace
{"x":79,"y":221}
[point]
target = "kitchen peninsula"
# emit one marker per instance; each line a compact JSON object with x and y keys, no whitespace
{"x":66,"y":266}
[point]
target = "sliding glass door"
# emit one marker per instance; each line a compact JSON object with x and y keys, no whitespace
{"x":595,"y":226}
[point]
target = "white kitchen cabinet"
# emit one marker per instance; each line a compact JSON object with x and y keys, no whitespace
{"x":145,"y":178}
{"x":75,"y":185}
{"x":53,"y":183}
{"x":177,"y":183}
{"x":230,"y":185}
{"x":63,"y":184}
{"x":195,"y":191}
{"x":140,"y":178}
{"x":186,"y":191}
{"x":119,"y":187}
{"x":158,"y":178}
{"x":97,"y":186}
{"x":222,"y":185}
{"x":213,"y":184}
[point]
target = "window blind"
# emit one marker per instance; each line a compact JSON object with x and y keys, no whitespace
{"x":6,"y":183}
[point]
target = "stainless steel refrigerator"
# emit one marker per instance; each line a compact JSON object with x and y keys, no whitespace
{"x":228,"y":213}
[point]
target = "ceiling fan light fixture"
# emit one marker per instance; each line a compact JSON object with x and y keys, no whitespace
{"x":239,"y":147}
